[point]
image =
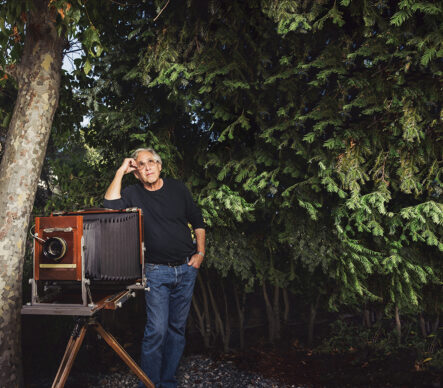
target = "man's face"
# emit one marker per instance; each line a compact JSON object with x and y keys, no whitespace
{"x":148,"y":169}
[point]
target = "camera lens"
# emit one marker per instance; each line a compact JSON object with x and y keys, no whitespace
{"x":54,"y":248}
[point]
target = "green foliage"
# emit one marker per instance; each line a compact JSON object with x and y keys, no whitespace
{"x":436,"y":361}
{"x":377,"y":343}
{"x":231,"y":253}
{"x":224,"y":200}
{"x":337,"y":112}
{"x":309,"y":132}
{"x":76,"y":183}
{"x":72,"y":19}
{"x":347,"y":337}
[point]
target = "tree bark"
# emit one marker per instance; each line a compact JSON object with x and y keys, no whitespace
{"x":217,"y":317}
{"x":227,"y":336}
{"x":436,"y":323}
{"x":206,"y":315}
{"x":38,"y":78}
{"x":424,"y":332}
{"x":366,"y":317}
{"x":276,"y":310}
{"x":398,"y":324}
{"x":269,"y":314}
{"x":286,"y":304}
{"x":312,"y":315}
{"x":241,"y":315}
{"x":202,"y":317}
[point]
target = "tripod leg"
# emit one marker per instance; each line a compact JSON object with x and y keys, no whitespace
{"x":75,"y":341}
{"x":112,"y":342}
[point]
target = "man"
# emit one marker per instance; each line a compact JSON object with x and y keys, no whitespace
{"x":172,"y":260}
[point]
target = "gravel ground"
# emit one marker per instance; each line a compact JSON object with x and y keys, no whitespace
{"x":195,"y":371}
{"x":200,"y":371}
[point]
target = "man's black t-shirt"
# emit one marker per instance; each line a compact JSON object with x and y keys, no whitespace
{"x":166,"y":214}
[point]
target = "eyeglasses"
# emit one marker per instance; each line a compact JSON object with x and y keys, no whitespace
{"x":142,"y":164}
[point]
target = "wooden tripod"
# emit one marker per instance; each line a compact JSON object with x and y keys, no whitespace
{"x":75,"y":341}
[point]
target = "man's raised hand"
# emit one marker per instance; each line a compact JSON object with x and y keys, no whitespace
{"x":128,"y":165}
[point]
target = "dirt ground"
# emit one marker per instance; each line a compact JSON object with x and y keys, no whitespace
{"x":288,"y":362}
{"x":304,"y":368}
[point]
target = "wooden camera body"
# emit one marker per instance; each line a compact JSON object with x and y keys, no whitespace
{"x":81,"y":259}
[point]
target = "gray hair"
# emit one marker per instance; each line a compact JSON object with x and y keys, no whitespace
{"x":156,"y":156}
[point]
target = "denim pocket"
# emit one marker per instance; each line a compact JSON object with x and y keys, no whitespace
{"x":149,"y":267}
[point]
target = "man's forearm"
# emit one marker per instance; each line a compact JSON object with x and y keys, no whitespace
{"x":200,"y":236}
{"x":114,"y":189}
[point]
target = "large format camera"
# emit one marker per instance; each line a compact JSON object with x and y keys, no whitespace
{"x":84,"y":262}
{"x":83,"y":259}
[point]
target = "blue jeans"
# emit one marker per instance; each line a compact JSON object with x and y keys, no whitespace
{"x":168,"y":299}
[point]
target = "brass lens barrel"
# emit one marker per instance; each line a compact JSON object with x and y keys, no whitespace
{"x":54,"y":248}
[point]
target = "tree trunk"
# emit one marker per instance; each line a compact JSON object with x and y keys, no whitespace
{"x":217,"y":317}
{"x":397,"y":325}
{"x":227,"y":335}
{"x":269,"y":314}
{"x":312,"y":315}
{"x":276,"y":310}
{"x":424,"y":332}
{"x":200,"y":319}
{"x":204,"y":318}
{"x":436,"y":323}
{"x":38,"y":78}
{"x":366,"y":317}
{"x":286,"y":304}
{"x":241,"y":315}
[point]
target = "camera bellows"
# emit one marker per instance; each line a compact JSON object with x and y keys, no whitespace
{"x":111,"y":246}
